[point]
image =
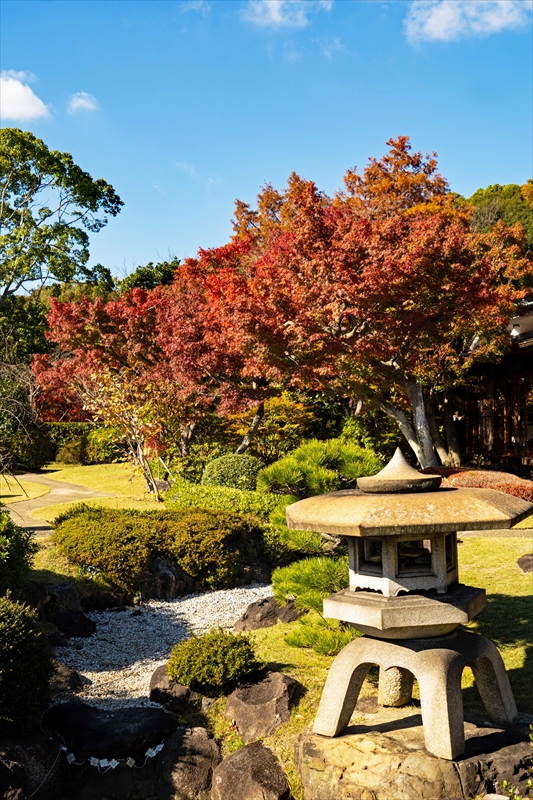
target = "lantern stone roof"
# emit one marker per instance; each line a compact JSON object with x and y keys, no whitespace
{"x":355,"y":513}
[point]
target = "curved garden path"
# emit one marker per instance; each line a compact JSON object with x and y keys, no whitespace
{"x":60,"y":492}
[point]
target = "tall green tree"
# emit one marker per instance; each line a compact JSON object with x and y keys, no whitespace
{"x":48,"y":207}
{"x":508,"y":203}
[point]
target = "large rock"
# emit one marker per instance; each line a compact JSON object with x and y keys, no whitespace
{"x":185,"y":768}
{"x":171,"y":695}
{"x":65,"y":595}
{"x":30,"y":763}
{"x":251,"y":773}
{"x":258,"y":709}
{"x":64,"y":679}
{"x":525,"y":562}
{"x":383,"y":758}
{"x":265,"y":613}
{"x":73,"y":623}
{"x":165,"y":580}
{"x":36,"y":595}
{"x":88,"y":731}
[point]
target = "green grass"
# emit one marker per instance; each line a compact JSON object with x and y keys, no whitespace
{"x":526,"y":523}
{"x":508,"y":619}
{"x":15,"y":491}
{"x":122,"y":481}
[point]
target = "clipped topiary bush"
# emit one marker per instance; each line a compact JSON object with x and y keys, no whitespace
{"x":220,"y":498}
{"x":235,"y":471}
{"x":318,"y":467}
{"x":17,"y":549}
{"x":211,"y":546}
{"x":25,"y":660}
{"x":216,"y":661}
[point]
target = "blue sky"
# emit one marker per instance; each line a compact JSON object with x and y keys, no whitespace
{"x":185,"y":106}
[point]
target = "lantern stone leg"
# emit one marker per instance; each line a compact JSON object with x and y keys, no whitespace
{"x":437,"y":664}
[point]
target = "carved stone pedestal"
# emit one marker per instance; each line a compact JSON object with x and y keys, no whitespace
{"x":437,"y":664}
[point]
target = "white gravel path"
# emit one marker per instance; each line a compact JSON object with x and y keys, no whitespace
{"x":117,"y":662}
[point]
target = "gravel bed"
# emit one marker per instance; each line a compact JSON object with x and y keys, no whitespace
{"x":117,"y":661}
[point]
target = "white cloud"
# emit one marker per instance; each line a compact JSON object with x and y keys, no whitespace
{"x":283,"y":13}
{"x":330,"y":47}
{"x":446,"y":20}
{"x":198,"y":6}
{"x":82,"y":101}
{"x":185,"y":166}
{"x":17,"y":100}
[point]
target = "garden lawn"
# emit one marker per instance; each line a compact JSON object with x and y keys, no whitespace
{"x":15,"y":491}
{"x":122,"y":481}
{"x":508,"y":619}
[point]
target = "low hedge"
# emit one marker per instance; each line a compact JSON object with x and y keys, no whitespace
{"x":486,"y":479}
{"x":236,"y":471}
{"x":186,"y":495}
{"x":211,"y":546}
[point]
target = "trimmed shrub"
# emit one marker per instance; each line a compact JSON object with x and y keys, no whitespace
{"x":25,"y":660}
{"x":309,"y":581}
{"x":114,"y":542}
{"x":318,"y":467}
{"x":220,"y":498}
{"x":486,"y":479}
{"x":32,"y":450}
{"x":211,"y":546}
{"x":217,"y":660}
{"x":17,"y":549}
{"x":235,"y":471}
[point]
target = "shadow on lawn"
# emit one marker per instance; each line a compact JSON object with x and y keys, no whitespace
{"x":508,"y":622}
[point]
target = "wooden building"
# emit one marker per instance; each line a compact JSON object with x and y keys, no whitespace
{"x":499,"y":410}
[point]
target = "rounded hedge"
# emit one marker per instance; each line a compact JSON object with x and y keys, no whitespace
{"x":17,"y":549}
{"x":217,"y":660}
{"x":211,"y":546}
{"x":25,"y":660}
{"x":236,"y":471}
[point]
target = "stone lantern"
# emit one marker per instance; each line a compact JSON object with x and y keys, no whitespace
{"x":405,"y":598}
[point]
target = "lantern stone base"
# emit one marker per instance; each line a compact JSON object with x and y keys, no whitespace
{"x":437,"y":665}
{"x":381,"y":756}
{"x":409,"y":616}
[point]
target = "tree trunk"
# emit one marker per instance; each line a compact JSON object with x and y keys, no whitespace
{"x":451,"y":434}
{"x":186,"y":433}
{"x":438,"y":441}
{"x":423,"y":433}
{"x":400,"y":418}
{"x":246,"y":442}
